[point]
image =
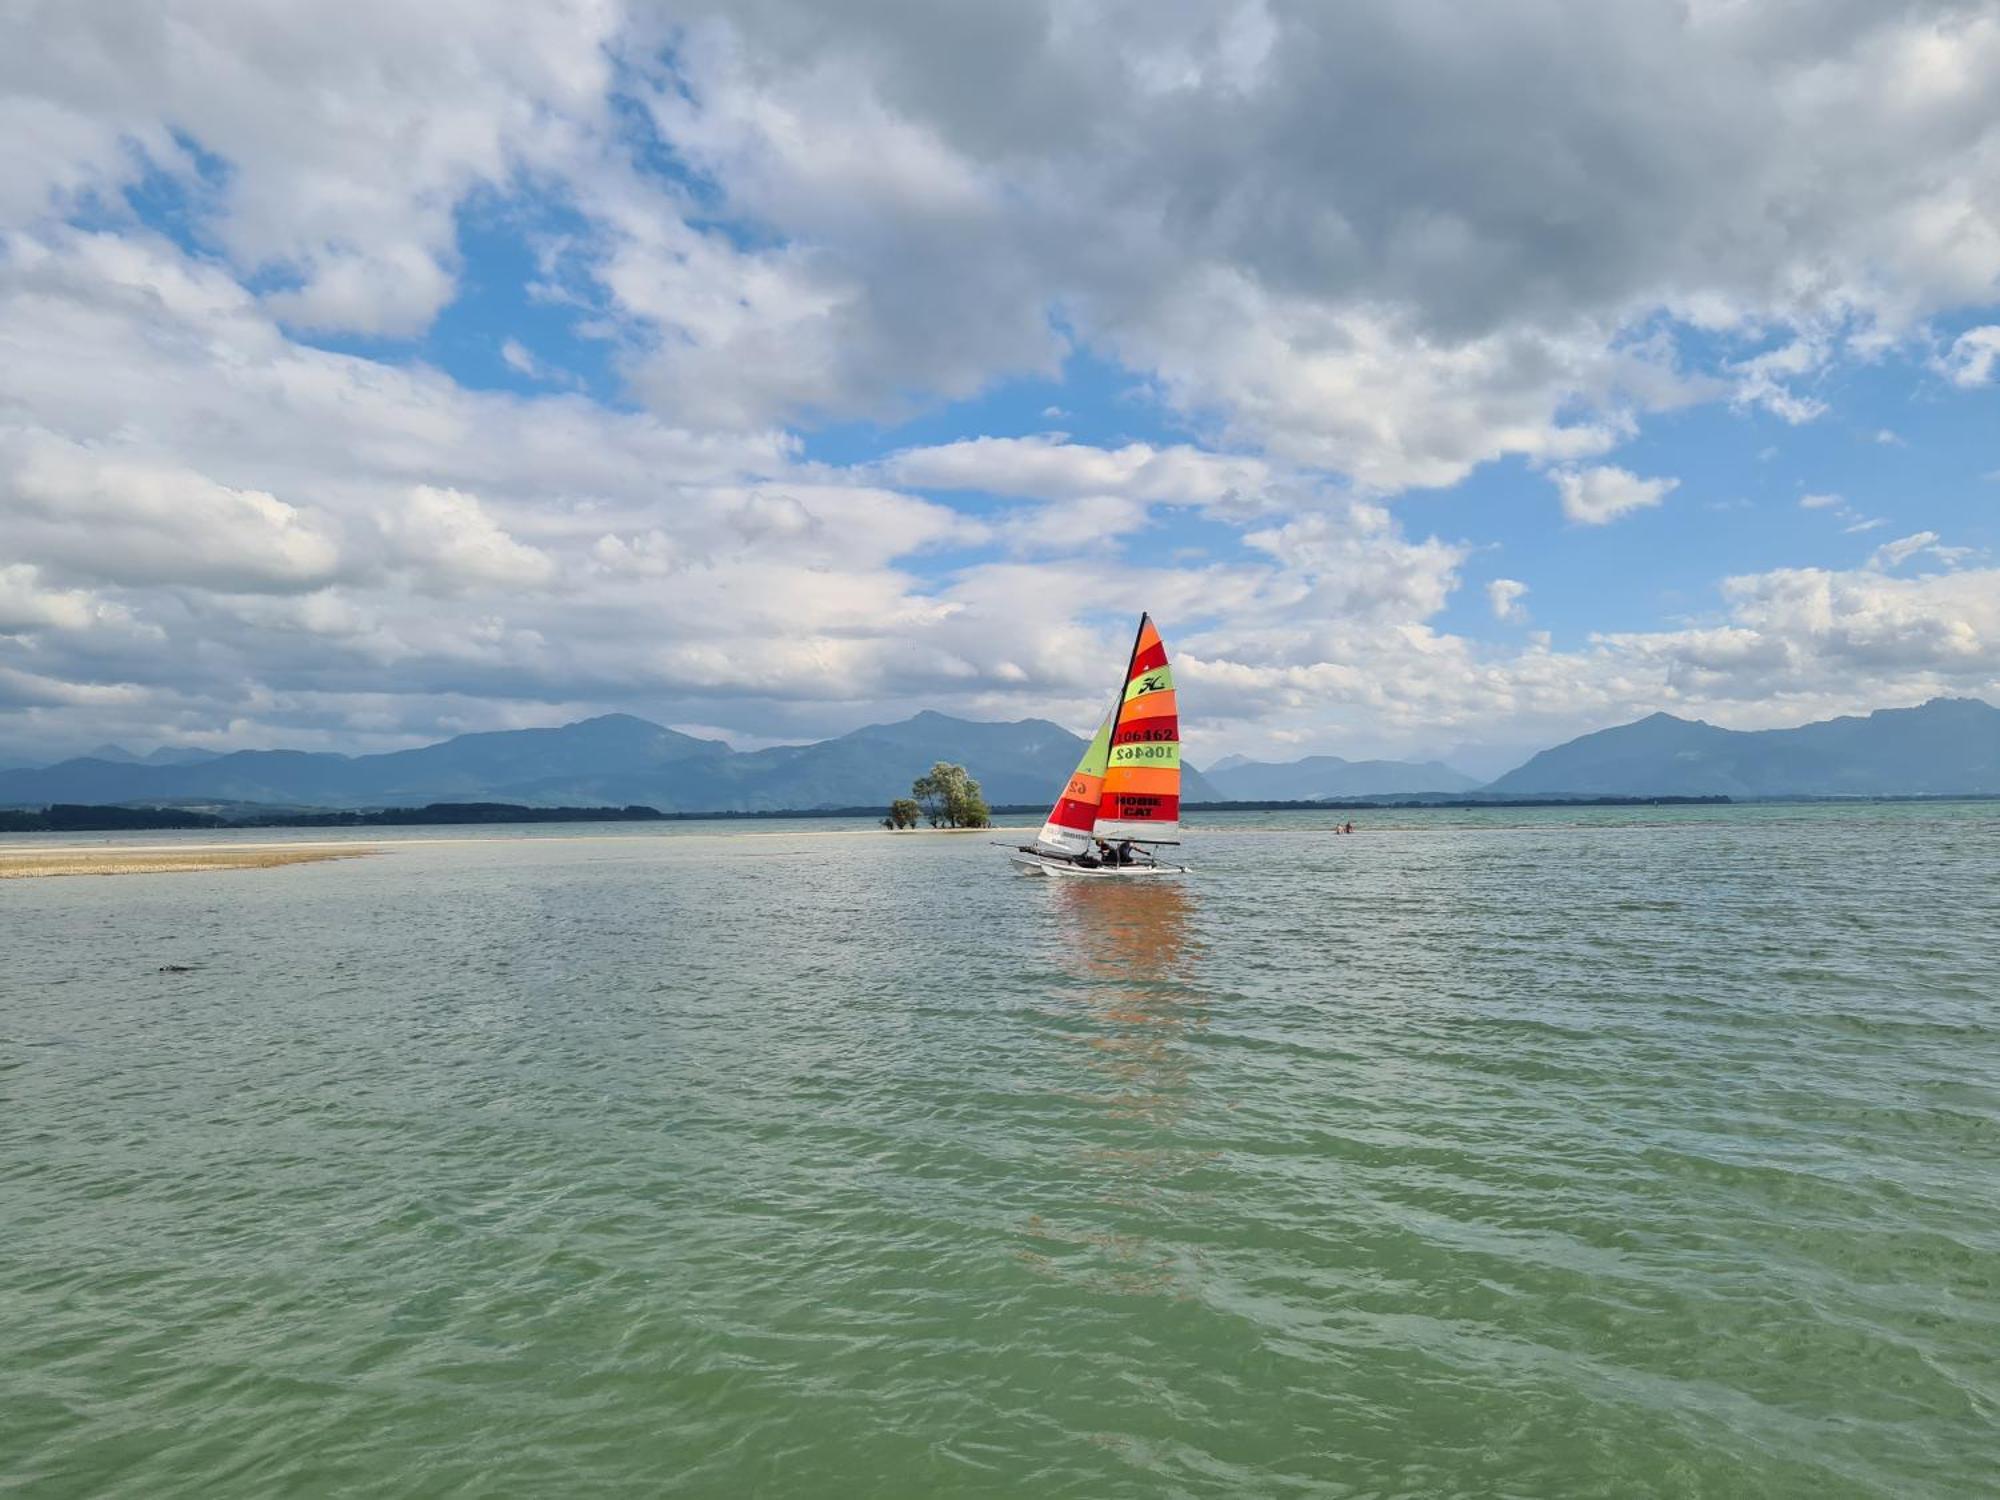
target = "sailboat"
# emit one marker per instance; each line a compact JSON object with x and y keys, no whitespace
{"x":1125,"y":794}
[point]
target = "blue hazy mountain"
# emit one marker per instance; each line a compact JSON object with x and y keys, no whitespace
{"x":1320,"y":776}
{"x":1949,"y":745}
{"x":612,"y":760}
{"x":1946,"y":746}
{"x":1021,"y":762}
{"x":469,"y":767}
{"x":164,"y":755}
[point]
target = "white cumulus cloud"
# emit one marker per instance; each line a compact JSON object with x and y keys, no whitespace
{"x":448,"y":537}
{"x":117,"y":519}
{"x":1596,"y":496}
{"x":1052,"y":468}
{"x":1338,"y":252}
{"x":1504,"y":595}
{"x":1973,"y":357}
{"x":1895,"y":554}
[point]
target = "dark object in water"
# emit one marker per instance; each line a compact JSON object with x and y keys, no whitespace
{"x":177,"y":968}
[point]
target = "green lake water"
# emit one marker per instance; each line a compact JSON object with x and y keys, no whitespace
{"x":1514,"y":1153}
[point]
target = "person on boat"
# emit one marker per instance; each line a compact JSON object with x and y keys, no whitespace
{"x":1087,"y":860}
{"x":1124,"y":852}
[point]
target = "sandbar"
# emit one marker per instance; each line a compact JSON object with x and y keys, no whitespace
{"x":17,"y":864}
{"x":19,"y":861}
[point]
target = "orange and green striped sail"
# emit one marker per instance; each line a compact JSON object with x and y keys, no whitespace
{"x":1068,"y":829}
{"x":1141,"y":794}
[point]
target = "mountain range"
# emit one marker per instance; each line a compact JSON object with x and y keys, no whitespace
{"x":1323,"y":776}
{"x":1947,"y":746}
{"x":164,"y":755}
{"x":615,"y":760}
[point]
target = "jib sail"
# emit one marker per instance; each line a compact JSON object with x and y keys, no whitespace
{"x":1075,"y":813}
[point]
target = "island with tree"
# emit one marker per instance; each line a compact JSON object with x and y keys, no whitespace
{"x":946,"y":796}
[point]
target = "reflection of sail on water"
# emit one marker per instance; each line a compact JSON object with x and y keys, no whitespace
{"x":1132,"y":943}
{"x":1131,"y":992}
{"x":1133,"y":947}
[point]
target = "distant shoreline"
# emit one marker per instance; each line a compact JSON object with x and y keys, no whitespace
{"x":22,"y":859}
{"x":80,"y":818}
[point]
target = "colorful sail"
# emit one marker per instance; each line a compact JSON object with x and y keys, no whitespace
{"x":1141,"y":791}
{"x":1075,"y":813}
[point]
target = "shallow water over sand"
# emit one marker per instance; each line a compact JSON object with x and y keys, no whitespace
{"x":1593,"y":1153}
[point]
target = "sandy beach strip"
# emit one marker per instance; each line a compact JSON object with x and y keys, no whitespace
{"x":20,"y":864}
{"x":19,"y":861}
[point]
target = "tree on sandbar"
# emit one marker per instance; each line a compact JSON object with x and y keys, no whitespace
{"x":950,"y":798}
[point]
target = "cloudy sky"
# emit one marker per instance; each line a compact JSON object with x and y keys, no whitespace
{"x":1446,"y":379}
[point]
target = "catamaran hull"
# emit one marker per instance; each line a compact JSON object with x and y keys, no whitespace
{"x":1031,"y":863}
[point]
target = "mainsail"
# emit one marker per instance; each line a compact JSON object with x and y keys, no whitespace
{"x":1075,"y":813}
{"x":1140,"y":796}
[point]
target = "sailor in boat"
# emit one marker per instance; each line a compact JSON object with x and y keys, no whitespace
{"x":1112,"y":856}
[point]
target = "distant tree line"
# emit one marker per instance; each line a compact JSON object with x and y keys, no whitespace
{"x":464,"y":812}
{"x":70,"y":817}
{"x":73,"y":817}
